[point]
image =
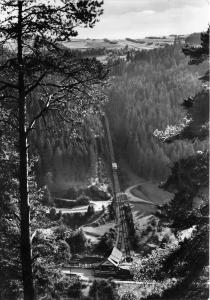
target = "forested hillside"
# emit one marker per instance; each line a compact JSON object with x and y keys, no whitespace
{"x":145,"y":93}
{"x":67,"y":157}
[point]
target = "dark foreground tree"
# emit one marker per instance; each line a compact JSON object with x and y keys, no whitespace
{"x":189,"y":181}
{"x":38,"y":76}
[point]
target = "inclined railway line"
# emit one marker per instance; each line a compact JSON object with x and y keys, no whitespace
{"x":120,"y":201}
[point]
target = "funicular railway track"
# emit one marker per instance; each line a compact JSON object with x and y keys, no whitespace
{"x":122,"y":252}
{"x":120,"y":202}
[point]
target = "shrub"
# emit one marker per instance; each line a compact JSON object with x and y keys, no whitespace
{"x":103,"y":289}
{"x":151,"y":267}
{"x":77,"y":241}
{"x":53,"y":213}
{"x":46,"y":198}
{"x":106,"y":243}
{"x":82,"y":200}
{"x":90,"y":210}
{"x":74,"y":290}
{"x":129,"y":296}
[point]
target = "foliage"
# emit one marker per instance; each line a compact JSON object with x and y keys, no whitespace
{"x":150,"y":267}
{"x":194,"y":125}
{"x":103,"y":289}
{"x":150,"y":289}
{"x":49,"y":251}
{"x":71,"y":193}
{"x":188,"y":178}
{"x":40,"y":80}
{"x":106,"y":243}
{"x":83,"y":200}
{"x":129,"y":296}
{"x":10,"y":269}
{"x":199,"y":53}
{"x":49,"y":247}
{"x":189,"y":181}
{"x":111,"y":211}
{"x":77,"y":241}
{"x":47,"y":198}
{"x":66,"y":203}
{"x":145,"y":94}
{"x":91,"y":210}
{"x":196,"y":122}
{"x":175,"y":271}
{"x":75,"y":290}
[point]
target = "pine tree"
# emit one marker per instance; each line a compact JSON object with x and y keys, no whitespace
{"x":189,"y":181}
{"x":39,"y":66}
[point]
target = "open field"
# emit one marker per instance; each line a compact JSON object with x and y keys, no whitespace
{"x":152,"y":193}
{"x":144,"y":196}
{"x":94,"y":233}
{"x":145,"y":43}
{"x":82,"y":209}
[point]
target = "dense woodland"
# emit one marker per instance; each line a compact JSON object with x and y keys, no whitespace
{"x":67,"y":157}
{"x":136,"y":107}
{"x":181,"y":269}
{"x":134,"y":101}
{"x":145,"y":94}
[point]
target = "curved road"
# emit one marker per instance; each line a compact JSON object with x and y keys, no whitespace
{"x":135,"y":199}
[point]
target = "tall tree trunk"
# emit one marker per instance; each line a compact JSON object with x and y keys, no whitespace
{"x":25,"y":244}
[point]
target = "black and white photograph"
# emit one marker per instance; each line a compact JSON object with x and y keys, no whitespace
{"x":104,"y":149}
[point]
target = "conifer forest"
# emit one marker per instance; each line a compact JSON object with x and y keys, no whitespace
{"x":104,"y":158}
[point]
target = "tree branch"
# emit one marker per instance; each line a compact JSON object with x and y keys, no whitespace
{"x":9,"y":84}
{"x":39,"y":115}
{"x":35,"y":84}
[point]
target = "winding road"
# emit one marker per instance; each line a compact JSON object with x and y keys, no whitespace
{"x":135,"y":199}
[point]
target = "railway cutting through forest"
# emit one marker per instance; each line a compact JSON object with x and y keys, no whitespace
{"x":124,"y":219}
{"x":119,"y":260}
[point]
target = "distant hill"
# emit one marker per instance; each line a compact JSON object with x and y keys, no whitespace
{"x":117,"y":44}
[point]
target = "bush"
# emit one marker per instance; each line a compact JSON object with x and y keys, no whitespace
{"x":61,"y":231}
{"x":103,"y":289}
{"x":74,"y":220}
{"x":77,"y":241}
{"x":52,"y":213}
{"x":95,"y":193}
{"x":46,"y":198}
{"x":129,"y":296}
{"x":151,"y":266}
{"x":82,"y":200}
{"x":64,"y":203}
{"x":111,"y":211}
{"x":106,"y":243}
{"x":90,"y":210}
{"x":74,"y":290}
{"x":11,"y":289}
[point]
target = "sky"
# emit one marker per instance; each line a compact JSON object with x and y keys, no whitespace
{"x":140,"y":18}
